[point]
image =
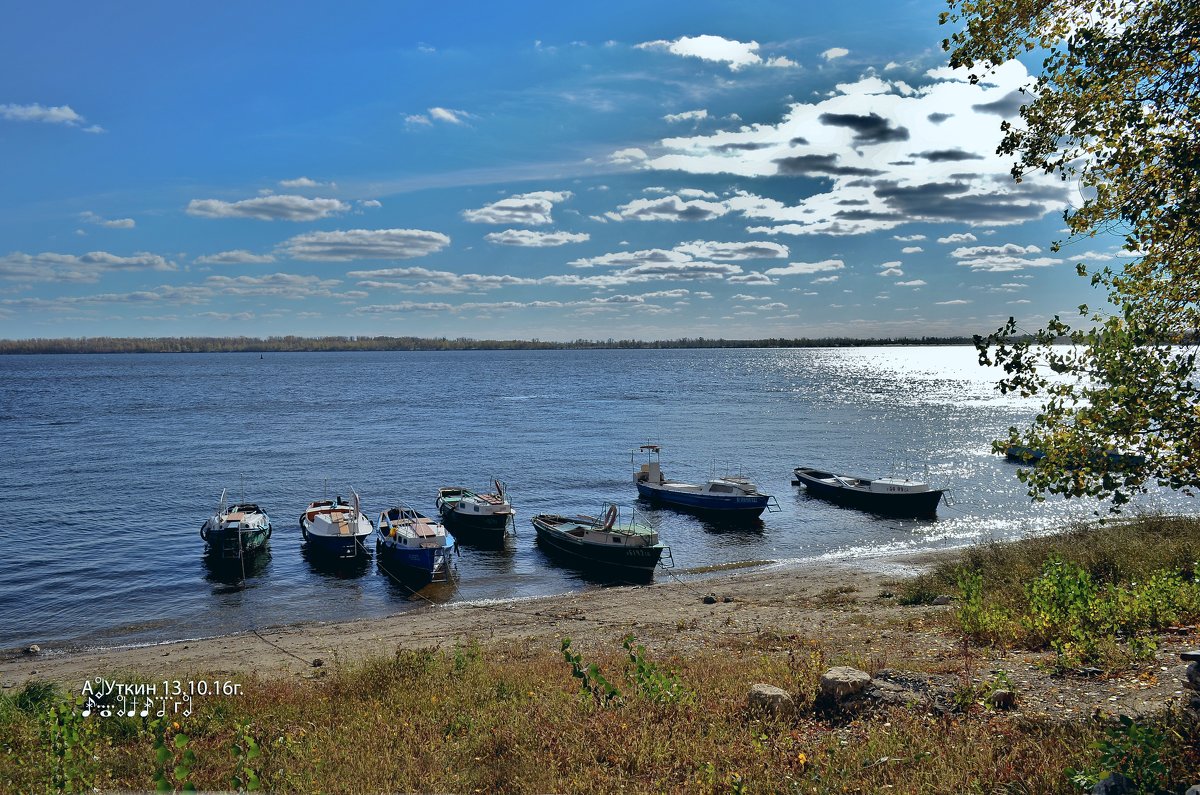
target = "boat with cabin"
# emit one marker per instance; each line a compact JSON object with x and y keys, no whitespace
{"x":603,"y":543}
{"x":336,"y":528}
{"x":235,"y":531}
{"x":409,"y":543}
{"x":890,"y":495}
{"x":476,"y":514}
{"x":730,"y":496}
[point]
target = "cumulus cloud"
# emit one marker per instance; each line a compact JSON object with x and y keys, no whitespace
{"x":835,"y":52}
{"x":111,"y":223}
{"x":627,"y":156}
{"x":913,"y":283}
{"x":805,"y":268}
{"x":438,"y":114}
{"x":668,"y":208}
{"x":239,"y":256}
{"x":958,"y":237}
{"x":281,"y":207}
{"x":530,"y":239}
{"x":1002,"y":259}
{"x":354,"y":244}
{"x":53,"y":267}
{"x":734,"y":54}
{"x":425,"y":280}
{"x":911,"y":250}
{"x":955,"y":302}
{"x":858,"y":143}
{"x":303,"y":182}
{"x":687,"y":115}
{"x":733,"y":252}
{"x":908,"y":238}
{"x":526,"y":209}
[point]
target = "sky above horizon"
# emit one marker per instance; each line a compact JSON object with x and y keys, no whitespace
{"x":535,"y":170}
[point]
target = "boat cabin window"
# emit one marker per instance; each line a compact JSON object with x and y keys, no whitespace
{"x":721,"y":487}
{"x":616,"y":540}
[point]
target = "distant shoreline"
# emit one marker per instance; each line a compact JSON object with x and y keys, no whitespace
{"x":290,"y":344}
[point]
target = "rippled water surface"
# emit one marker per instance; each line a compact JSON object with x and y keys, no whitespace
{"x":111,"y":463}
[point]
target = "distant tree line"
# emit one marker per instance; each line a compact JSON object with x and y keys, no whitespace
{"x":356,"y":343}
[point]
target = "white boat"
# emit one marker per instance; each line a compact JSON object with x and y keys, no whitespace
{"x":336,"y":528}
{"x":410,"y":543}
{"x":235,"y":531}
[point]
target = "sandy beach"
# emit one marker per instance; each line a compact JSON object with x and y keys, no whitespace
{"x":849,"y":609}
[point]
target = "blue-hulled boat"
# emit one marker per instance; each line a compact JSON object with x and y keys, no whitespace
{"x":335,"y":528}
{"x":410,"y":543}
{"x":731,"y":496}
{"x":894,"y":496}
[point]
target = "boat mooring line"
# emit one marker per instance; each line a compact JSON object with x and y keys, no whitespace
{"x":277,"y":647}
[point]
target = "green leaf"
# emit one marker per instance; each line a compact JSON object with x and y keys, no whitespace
{"x":181,"y":740}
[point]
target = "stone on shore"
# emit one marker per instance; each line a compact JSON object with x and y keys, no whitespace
{"x":769,"y":700}
{"x":34,"y":649}
{"x":942,"y":599}
{"x":842,"y":681}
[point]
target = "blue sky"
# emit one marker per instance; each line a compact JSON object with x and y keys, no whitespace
{"x":498,"y":170}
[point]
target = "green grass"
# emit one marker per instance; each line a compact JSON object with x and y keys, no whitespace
{"x":1095,"y":594}
{"x":508,"y":719}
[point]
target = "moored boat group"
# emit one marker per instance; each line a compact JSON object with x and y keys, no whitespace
{"x":409,"y":543}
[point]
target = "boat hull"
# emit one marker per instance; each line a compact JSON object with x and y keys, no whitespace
{"x":595,"y":556}
{"x":484,"y":524}
{"x":914,"y":504}
{"x":427,"y":561}
{"x":225,"y":544}
{"x":339,"y":546}
{"x":749,"y":507}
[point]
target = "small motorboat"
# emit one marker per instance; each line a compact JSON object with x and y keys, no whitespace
{"x":603,"y":543}
{"x":335,"y":528}
{"x":236,"y":531}
{"x":890,"y":495}
{"x":731,"y":496}
{"x":1113,"y":460}
{"x":410,"y":543}
{"x":475,"y":514}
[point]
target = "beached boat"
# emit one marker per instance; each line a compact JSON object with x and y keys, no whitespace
{"x":236,"y":531}
{"x":335,"y":528}
{"x":410,"y":543}
{"x":895,"y":496}
{"x":731,"y":496}
{"x":602,"y":543}
{"x":475,"y":514}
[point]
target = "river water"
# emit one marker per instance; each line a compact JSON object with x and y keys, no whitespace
{"x":110,"y":463}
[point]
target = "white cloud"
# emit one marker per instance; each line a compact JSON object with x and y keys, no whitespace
{"x":354,"y":244}
{"x":955,"y":302}
{"x":668,"y":208}
{"x":301,"y":182}
{"x":825,"y":280}
{"x":733,"y":252}
{"x":530,"y":239}
{"x":282,"y":207}
{"x":908,"y":238}
{"x":835,"y":52}
{"x":805,"y":268}
{"x":891,"y":270}
{"x":735,"y":54}
{"x":1001,"y":259}
{"x":60,"y":114}
{"x":449,"y":115}
{"x":630,"y":155}
{"x":53,"y":267}
{"x":878,"y":157}
{"x":370,"y":203}
{"x":911,"y":250}
{"x":527,"y":209}
{"x":111,"y":223}
{"x":913,"y":283}
{"x":238,"y":256}
{"x":687,"y":115}
{"x":424,"y":280}
{"x":279,"y":285}
{"x":958,"y":237}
